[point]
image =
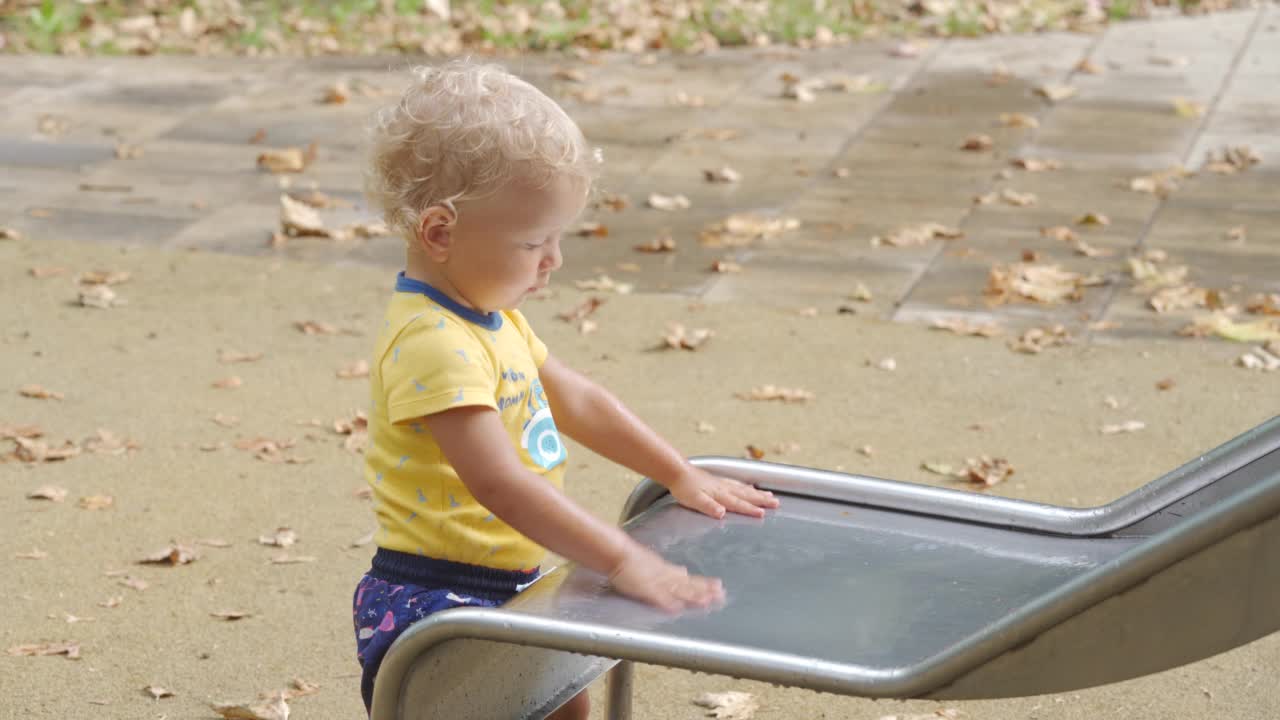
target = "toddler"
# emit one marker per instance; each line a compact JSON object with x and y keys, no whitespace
{"x":482,"y":173}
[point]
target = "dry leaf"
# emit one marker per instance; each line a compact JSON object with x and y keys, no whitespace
{"x":228,"y":357}
{"x":730,"y":705}
{"x":157,"y":692}
{"x":604,"y":283}
{"x":226,"y":421}
{"x":961,"y":326}
{"x":1096,"y":219}
{"x":20,"y":431}
{"x":661,"y":244}
{"x":228,"y":383}
{"x":103,"y":277}
{"x":1018,"y":199}
{"x":272,"y":709}
{"x":112,"y":602}
{"x":30,"y":450}
{"x":1150,"y":276}
{"x":287,"y":160}
{"x":299,"y":688}
{"x":104,"y":442}
{"x":680,"y":339}
{"x":97,"y":502}
{"x":744,"y":229}
{"x":1166,"y":384}
{"x":986,"y":471}
{"x":231,"y":615}
{"x":1188,"y":108}
{"x":1048,"y":284}
{"x":866,"y":450}
{"x":301,"y":220}
{"x":46,"y":271}
{"x":39,"y":392}
{"x":70,"y":649}
{"x":363,"y":539}
{"x":1220,"y":324}
{"x":1088,"y":67}
{"x":754,"y":452}
{"x":48,"y":492}
{"x":10,"y":234}
{"x":35,"y":554}
{"x":771,"y":392}
{"x":887,"y":364}
{"x":1036,"y":164}
{"x":172,"y":555}
{"x":1128,"y":426}
{"x":98,"y":296}
{"x":977,"y":143}
{"x":1176,"y":61}
{"x":1261,"y":358}
{"x":1058,"y":232}
{"x":1018,"y":120}
{"x":1231,"y":159}
{"x":353,"y":370}
{"x":1181,"y":297}
{"x":1237,"y":234}
{"x":668,"y":202}
{"x":1035,"y":340}
{"x":917,"y":235}
{"x":582,"y":310}
{"x":725,"y":266}
{"x":725,"y":174}
{"x":336,"y":94}
{"x":591,"y":229}
{"x":860,"y":293}
{"x":311,"y":327}
{"x":287,"y":559}
{"x":134,"y":583}
{"x":1056,"y":93}
{"x":1264,"y":304}
{"x":283,"y":537}
{"x":705,"y":427}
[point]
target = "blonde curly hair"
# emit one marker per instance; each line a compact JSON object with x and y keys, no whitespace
{"x":462,"y":131}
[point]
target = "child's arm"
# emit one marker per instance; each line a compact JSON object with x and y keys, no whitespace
{"x":477,"y":446}
{"x":590,"y":414}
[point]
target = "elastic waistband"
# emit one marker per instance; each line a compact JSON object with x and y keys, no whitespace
{"x":405,"y":568}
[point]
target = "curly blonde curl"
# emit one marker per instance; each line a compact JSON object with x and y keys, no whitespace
{"x":462,"y":131}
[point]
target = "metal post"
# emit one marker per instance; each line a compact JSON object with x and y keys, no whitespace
{"x":621,"y":683}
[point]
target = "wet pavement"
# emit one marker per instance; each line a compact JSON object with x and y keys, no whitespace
{"x":850,"y":165}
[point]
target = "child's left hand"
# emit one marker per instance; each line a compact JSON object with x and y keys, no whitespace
{"x":712,"y":495}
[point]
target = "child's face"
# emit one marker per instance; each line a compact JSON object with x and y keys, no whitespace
{"x":507,"y":245}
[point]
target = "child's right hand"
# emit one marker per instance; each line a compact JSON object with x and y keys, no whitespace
{"x":645,"y":576}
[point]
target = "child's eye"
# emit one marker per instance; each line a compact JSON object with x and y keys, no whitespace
{"x":532,"y":246}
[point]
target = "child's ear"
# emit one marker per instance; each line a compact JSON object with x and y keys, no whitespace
{"x":435,"y":232}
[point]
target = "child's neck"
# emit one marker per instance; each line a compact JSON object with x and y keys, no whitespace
{"x":418,"y":267}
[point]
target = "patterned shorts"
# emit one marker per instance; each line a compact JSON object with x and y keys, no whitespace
{"x":386,"y":603}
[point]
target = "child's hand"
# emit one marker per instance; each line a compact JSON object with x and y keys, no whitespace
{"x":645,"y":576}
{"x":711,"y":495}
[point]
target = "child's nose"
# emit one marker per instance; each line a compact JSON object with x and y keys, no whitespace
{"x":553,"y":259}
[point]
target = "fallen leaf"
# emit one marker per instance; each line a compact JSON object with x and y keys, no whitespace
{"x":1088,"y":67}
{"x":1266,"y":359}
{"x":103,"y":277}
{"x":231,"y":615}
{"x":1034,"y":340}
{"x":172,"y":555}
{"x":604,"y":283}
{"x":134,"y":583}
{"x":35,"y":554}
{"x":744,"y":229}
{"x":98,"y":296}
{"x":39,"y":392}
{"x":977,"y":143}
{"x":272,"y":709}
{"x":30,"y":450}
{"x":591,"y":229}
{"x":1058,"y":232}
{"x":1176,"y":61}
{"x":754,"y":452}
{"x":104,"y":442}
{"x":283,"y":537}
{"x":725,"y":266}
{"x":1237,"y":234}
{"x":724,"y":174}
{"x":301,"y":220}
{"x":70,"y":649}
{"x":353,"y":370}
{"x":157,"y":692}
{"x":1128,"y":426}
{"x":1218,"y":323}
{"x":705,"y":427}
{"x":1096,"y":219}
{"x":1047,"y":284}
{"x":228,"y":383}
{"x":1056,"y":93}
{"x":228,"y":357}
{"x":336,"y":94}
{"x":1036,"y":164}
{"x":771,"y":392}
{"x":1018,"y":199}
{"x":287,"y":559}
{"x":866,"y":450}
{"x":860,"y":293}
{"x":1166,"y":384}
{"x":1188,"y":108}
{"x":48,"y":492}
{"x":299,"y":688}
{"x":1182,"y":297}
{"x":129,"y":151}
{"x":887,"y":364}
{"x":311,"y":327}
{"x":917,"y":235}
{"x":582,"y":310}
{"x":961,"y":326}
{"x":226,"y":421}
{"x":1150,"y":275}
{"x":661,"y":244}
{"x":287,"y":160}
{"x":986,"y":471}
{"x":1264,"y":304}
{"x":363,"y":539}
{"x":680,"y":339}
{"x":112,"y":602}
{"x":97,"y":502}
{"x":7,"y":233}
{"x":46,"y":271}
{"x":905,"y":50}
{"x":939,"y":468}
{"x":1018,"y":120}
{"x":668,"y":202}
{"x":1231,"y":159}
{"x":730,"y":705}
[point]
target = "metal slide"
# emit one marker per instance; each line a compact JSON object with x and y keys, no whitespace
{"x":876,"y":588}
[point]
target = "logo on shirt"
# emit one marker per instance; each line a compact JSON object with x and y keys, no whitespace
{"x":540,"y":438}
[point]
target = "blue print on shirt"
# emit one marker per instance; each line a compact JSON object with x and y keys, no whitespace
{"x":539,"y":437}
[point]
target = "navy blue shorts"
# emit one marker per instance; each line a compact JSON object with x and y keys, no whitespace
{"x":401,"y":589}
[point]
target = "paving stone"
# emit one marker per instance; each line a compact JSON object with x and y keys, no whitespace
{"x":122,"y":226}
{"x":1032,"y":58}
{"x":49,"y":154}
{"x":1098,"y":134}
{"x":1183,"y":225}
{"x":792,"y":282}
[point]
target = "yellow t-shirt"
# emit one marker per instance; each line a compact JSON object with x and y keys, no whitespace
{"x":432,"y":355}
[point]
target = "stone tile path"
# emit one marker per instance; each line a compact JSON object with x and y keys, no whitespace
{"x":849,"y":165}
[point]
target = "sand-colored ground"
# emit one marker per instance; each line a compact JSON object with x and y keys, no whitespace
{"x":144,"y":371}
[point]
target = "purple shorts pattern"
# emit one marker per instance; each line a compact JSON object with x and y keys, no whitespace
{"x":386,"y":604}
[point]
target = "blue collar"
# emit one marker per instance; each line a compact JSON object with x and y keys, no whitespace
{"x":488,"y":321}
